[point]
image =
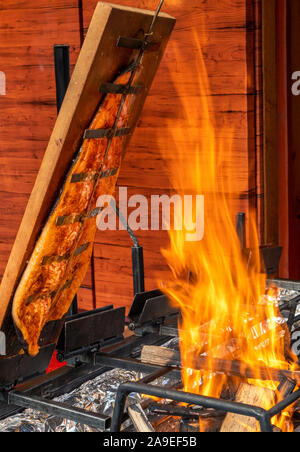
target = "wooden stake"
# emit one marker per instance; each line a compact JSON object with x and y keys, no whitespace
{"x":139,"y":419}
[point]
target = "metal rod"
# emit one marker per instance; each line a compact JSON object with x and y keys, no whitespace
{"x":110,"y":361}
{"x":62,"y":72}
{"x":189,"y":412}
{"x":155,"y":16}
{"x":185,"y":397}
{"x":241,"y":229}
{"x":289,"y":400}
{"x":125,"y":224}
{"x":138,"y":269}
{"x":137,"y":255}
{"x":156,"y":374}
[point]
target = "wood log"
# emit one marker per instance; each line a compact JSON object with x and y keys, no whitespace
{"x":251,"y":395}
{"x":165,"y":357}
{"x":139,"y":419}
{"x":258,"y":396}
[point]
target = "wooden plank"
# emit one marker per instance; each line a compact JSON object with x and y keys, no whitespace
{"x":139,"y":419}
{"x":94,"y":66}
{"x":250,"y":395}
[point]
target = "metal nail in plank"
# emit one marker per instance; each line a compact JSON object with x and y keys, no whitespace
{"x":32,"y":298}
{"x":66,"y":285}
{"x":106,"y":133}
{"x":47,"y":260}
{"x":113,"y":88}
{"x":50,"y":259}
{"x":52,"y":294}
{"x":109,"y":173}
{"x":81,"y":249}
{"x":93,"y":213}
{"x":69,"y":219}
{"x":83,"y":177}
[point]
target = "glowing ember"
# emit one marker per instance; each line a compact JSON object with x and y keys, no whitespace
{"x":227,"y":291}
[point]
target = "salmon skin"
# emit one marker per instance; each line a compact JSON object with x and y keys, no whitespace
{"x":62,"y":253}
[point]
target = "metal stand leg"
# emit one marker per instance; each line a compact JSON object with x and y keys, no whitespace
{"x":62,"y":79}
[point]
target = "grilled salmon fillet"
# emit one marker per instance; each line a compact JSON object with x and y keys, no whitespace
{"x":62,"y":253}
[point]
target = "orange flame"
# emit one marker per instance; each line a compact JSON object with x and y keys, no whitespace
{"x":226,"y":312}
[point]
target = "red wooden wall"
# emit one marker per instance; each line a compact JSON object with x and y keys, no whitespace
{"x":230,"y":33}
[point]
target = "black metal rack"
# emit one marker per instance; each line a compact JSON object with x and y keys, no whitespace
{"x":143,"y":387}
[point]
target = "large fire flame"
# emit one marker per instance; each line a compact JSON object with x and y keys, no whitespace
{"x":226,"y":311}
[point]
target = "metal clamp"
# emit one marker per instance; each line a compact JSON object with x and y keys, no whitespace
{"x":114,"y":88}
{"x":106,"y":133}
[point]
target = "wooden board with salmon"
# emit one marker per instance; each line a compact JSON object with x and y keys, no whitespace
{"x":53,"y":246}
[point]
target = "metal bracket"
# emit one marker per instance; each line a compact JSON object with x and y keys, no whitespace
{"x":82,"y":177}
{"x":114,"y":88}
{"x":150,"y":308}
{"x":89,"y":329}
{"x":106,"y":133}
{"x":52,"y":294}
{"x":137,"y":44}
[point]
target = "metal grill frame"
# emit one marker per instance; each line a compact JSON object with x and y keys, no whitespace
{"x":142,"y":387}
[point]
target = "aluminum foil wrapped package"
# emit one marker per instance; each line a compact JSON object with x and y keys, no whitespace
{"x":96,"y":395}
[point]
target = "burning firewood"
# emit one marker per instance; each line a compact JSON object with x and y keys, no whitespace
{"x":250,"y":395}
{"x":257,"y":396}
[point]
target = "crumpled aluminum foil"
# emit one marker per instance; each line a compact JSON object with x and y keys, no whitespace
{"x":288,"y":295}
{"x":97,"y":395}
